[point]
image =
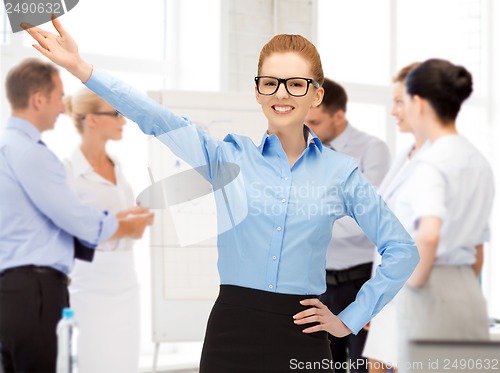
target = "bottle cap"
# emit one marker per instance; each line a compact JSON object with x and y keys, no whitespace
{"x":67,"y":313}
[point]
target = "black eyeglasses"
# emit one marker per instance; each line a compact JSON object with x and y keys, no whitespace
{"x":298,"y":87}
{"x":108,"y":113}
{"x":115,"y":113}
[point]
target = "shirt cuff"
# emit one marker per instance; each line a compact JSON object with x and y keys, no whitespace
{"x":354,"y":317}
{"x":109,"y":225}
{"x":99,"y":81}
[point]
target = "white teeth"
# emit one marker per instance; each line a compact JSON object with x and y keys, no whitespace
{"x":282,"y":109}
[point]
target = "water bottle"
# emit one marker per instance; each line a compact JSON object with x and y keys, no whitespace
{"x":67,"y":335}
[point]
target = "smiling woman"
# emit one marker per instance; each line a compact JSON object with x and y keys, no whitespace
{"x":286,"y":112}
{"x":469,"y":20}
{"x":272,"y":267}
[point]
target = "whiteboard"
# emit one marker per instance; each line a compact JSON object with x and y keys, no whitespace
{"x":185,"y":282}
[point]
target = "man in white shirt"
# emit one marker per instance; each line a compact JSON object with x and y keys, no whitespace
{"x":350,"y":253}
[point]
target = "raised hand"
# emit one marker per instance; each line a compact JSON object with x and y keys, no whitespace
{"x":60,"y":49}
{"x":319,"y":313}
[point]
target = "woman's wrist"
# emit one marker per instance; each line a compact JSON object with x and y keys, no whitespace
{"x":82,"y":70}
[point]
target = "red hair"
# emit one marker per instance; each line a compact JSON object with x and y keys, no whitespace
{"x":284,"y":43}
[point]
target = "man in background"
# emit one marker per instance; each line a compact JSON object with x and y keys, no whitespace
{"x":350,"y":253}
{"x":42,"y":222}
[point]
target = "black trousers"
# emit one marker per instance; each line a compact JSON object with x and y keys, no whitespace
{"x":31,"y":302}
{"x":347,"y":350}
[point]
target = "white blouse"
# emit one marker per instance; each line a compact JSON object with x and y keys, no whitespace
{"x":98,"y":192}
{"x":454,"y":182}
{"x":397,"y":181}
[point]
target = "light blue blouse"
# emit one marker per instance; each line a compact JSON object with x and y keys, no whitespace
{"x":275,"y":221}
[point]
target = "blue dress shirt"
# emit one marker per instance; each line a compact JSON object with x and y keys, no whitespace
{"x":275,"y":221}
{"x":39,"y":213}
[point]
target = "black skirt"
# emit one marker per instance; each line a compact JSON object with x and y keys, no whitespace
{"x":253,"y":331}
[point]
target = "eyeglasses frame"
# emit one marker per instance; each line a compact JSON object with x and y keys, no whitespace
{"x":284,"y":81}
{"x":114,"y":114}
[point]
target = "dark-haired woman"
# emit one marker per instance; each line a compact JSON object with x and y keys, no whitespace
{"x":381,"y":346}
{"x":446,"y":211}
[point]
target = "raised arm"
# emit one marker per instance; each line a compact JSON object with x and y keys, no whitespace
{"x":187,"y":141}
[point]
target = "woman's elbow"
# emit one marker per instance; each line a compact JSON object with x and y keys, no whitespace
{"x":416,"y":281}
{"x":414,"y":255}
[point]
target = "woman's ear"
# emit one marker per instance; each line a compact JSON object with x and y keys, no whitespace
{"x":425,"y":107}
{"x":318,"y":97}
{"x":419,"y":103}
{"x":89,"y":120}
{"x":257,"y":95}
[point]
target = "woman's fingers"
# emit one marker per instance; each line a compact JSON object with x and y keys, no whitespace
{"x":307,"y":320}
{"x":145,"y":213}
{"x":138,"y":210}
{"x":38,"y":35}
{"x":58,"y":26}
{"x":151,"y":218}
{"x":306,"y":313}
{"x":315,"y":302}
{"x":33,"y":30}
{"x":314,"y":329}
{"x":26,"y":26}
{"x":311,"y":315}
{"x":43,"y":51}
{"x":316,"y":308}
{"x":321,"y":317}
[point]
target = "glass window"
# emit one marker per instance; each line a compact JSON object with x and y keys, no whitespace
{"x":472,"y":123}
{"x":198,"y":45}
{"x":4,"y":26}
{"x":449,"y":29}
{"x":125,"y":28}
{"x":369,"y":118}
{"x":354,"y":40}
